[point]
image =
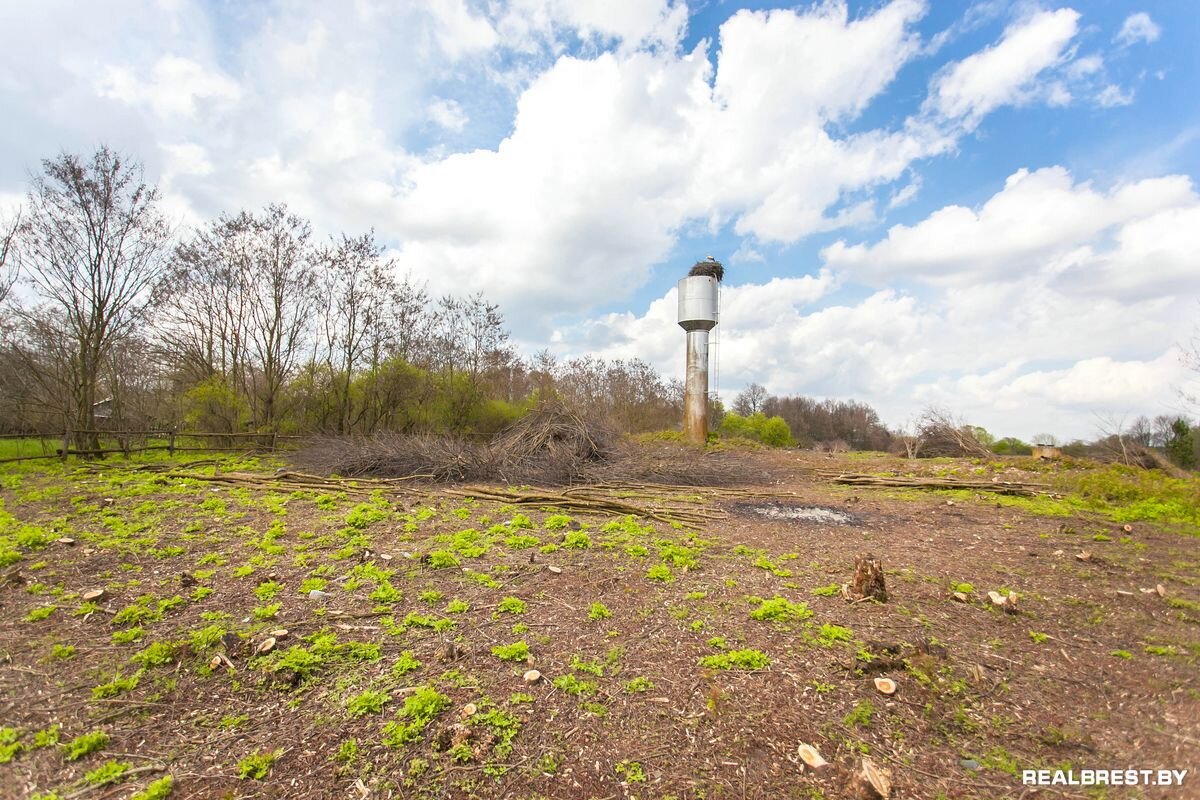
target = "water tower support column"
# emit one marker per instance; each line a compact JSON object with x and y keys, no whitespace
{"x":695,"y":392}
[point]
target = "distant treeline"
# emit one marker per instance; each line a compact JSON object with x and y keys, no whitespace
{"x":805,"y":422}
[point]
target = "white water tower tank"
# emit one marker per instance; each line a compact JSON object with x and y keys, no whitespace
{"x":698,"y":303}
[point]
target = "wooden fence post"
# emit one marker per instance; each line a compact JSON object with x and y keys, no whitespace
{"x":171,"y":444}
{"x":66,"y":448}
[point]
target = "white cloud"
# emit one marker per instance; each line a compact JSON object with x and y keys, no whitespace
{"x":611,"y":157}
{"x":1112,"y":95}
{"x":174,"y":87}
{"x":1005,"y":73}
{"x":906,"y":194}
{"x":1138,"y":27}
{"x":1038,"y":223}
{"x":447,"y":113}
{"x":458,"y":31}
{"x":528,"y":23}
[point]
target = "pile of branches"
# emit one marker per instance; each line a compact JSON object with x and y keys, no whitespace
{"x":438,"y":459}
{"x":941,"y":435}
{"x":552,"y":445}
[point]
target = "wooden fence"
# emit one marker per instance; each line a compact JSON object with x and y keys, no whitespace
{"x":128,"y":442}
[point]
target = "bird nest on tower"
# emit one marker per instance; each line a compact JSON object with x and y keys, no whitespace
{"x":709,"y":267}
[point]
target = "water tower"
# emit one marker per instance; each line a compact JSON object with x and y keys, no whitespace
{"x":698,"y":315}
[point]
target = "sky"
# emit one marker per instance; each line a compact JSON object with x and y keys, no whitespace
{"x":991,"y":208}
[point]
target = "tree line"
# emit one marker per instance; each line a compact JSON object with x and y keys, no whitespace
{"x":251,"y":323}
{"x":810,"y":423}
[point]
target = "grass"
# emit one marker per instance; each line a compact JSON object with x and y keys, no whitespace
{"x":370,"y":701}
{"x":779,"y":609}
{"x":110,"y":771}
{"x":419,"y":710}
{"x":746,"y":659}
{"x":517,"y":651}
{"x":85,"y":744}
{"x":598,"y":611}
{"x":156,"y":790}
{"x":861,"y":715}
{"x":257,"y":765}
{"x":404,"y":664}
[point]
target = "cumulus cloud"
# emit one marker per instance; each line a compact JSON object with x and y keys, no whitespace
{"x":611,"y":157}
{"x":1138,"y":27}
{"x":1041,"y":221}
{"x":529,"y":24}
{"x":175,"y":86}
{"x":1005,"y":73}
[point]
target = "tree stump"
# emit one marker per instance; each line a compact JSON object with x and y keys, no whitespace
{"x":868,"y":579}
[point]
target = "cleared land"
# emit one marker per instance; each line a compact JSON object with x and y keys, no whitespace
{"x":675,"y":661}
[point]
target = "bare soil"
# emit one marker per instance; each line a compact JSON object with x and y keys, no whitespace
{"x":1096,"y":669}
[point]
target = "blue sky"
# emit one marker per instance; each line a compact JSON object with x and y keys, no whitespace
{"x":987,"y":207}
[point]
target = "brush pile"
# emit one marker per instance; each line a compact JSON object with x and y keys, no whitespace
{"x":551,"y":446}
{"x":941,"y":435}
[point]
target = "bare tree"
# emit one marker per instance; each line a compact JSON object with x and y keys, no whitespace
{"x":10,"y":257}
{"x":356,"y":287}
{"x":751,"y":400}
{"x":205,"y":327}
{"x":95,"y":249}
{"x":281,"y":290}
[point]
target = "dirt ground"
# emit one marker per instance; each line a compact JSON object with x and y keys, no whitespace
{"x":674,"y":662}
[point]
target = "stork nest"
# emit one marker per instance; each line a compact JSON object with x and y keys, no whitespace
{"x":711,"y":269}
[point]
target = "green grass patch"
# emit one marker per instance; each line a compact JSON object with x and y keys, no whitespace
{"x":737,"y":659}
{"x":85,"y":744}
{"x":370,"y":701}
{"x":517,"y":651}
{"x":418,"y":711}
{"x":256,"y":766}
{"x":779,"y":609}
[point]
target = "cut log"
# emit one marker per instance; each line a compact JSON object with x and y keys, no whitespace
{"x":868,"y":579}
